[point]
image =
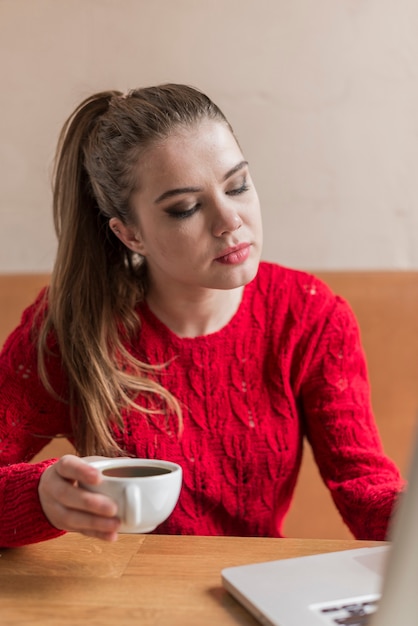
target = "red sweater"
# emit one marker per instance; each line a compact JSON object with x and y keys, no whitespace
{"x":289,"y":364}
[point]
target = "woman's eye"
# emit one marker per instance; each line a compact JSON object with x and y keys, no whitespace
{"x":238,"y":190}
{"x":182,"y":214}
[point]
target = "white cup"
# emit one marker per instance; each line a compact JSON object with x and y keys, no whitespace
{"x":145,"y":490}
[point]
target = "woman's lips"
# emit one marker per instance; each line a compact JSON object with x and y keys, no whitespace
{"x":234,"y":256}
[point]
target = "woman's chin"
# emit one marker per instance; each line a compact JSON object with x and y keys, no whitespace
{"x":234,"y":276}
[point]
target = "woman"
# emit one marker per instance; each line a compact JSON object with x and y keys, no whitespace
{"x":162,"y":335}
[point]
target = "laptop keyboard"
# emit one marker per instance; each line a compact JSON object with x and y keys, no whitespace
{"x":349,"y":612}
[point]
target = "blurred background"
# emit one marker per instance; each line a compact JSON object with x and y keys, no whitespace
{"x":323,"y":96}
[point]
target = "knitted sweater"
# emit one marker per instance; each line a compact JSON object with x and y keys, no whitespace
{"x":289,"y":364}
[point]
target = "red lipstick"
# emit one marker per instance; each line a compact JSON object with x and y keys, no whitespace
{"x":235,"y":255}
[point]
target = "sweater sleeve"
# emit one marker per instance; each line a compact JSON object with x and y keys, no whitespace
{"x":29,"y":418}
{"x":335,"y":396}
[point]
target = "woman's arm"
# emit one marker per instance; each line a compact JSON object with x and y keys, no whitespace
{"x":29,"y":418}
{"x":22,"y":520}
{"x":336,"y":407}
{"x":39,"y":501}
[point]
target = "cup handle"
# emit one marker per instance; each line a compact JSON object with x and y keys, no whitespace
{"x":132,"y":506}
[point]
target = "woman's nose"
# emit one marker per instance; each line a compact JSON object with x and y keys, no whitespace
{"x":226,"y":220}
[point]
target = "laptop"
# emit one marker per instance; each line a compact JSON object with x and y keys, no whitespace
{"x":377,"y":586}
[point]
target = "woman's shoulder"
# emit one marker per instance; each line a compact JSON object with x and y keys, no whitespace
{"x":299,"y":296}
{"x":33,"y":314}
{"x":30,"y":322}
{"x":298,"y":285}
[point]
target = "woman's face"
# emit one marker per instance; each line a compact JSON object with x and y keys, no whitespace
{"x":197,"y":213}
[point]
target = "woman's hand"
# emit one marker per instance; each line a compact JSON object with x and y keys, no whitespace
{"x":70,"y":507}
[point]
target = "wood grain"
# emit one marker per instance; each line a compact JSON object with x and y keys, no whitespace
{"x":147,"y":579}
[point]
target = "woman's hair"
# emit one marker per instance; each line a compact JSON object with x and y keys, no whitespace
{"x":97,"y":281}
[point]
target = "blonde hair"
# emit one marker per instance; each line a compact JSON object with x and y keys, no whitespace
{"x":96,"y":281}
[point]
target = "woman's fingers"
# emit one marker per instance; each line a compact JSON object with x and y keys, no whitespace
{"x":68,"y":506}
{"x":73,"y":468}
{"x":80,"y":521}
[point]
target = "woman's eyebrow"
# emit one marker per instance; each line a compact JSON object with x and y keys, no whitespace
{"x":180,"y":190}
{"x":236,"y":168}
{"x":176,"y":192}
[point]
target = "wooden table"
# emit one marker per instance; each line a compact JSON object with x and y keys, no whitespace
{"x":146,"y":580}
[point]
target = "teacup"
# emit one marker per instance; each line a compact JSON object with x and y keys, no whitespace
{"x":145,"y":490}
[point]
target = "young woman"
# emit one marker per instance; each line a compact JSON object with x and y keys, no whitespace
{"x":162,"y":335}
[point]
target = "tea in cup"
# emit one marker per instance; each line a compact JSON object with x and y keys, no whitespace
{"x":145,"y":490}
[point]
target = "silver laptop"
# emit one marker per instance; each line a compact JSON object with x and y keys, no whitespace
{"x":375,"y":586}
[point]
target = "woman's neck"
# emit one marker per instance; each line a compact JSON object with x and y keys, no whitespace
{"x":197,"y":314}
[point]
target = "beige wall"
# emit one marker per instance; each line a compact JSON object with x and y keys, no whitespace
{"x":323,"y":95}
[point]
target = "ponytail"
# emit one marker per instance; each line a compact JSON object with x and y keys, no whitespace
{"x":96,"y":282}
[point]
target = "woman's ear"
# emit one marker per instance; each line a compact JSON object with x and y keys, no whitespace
{"x":127,"y":235}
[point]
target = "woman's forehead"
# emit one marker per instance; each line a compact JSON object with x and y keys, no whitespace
{"x":188,"y":158}
{"x":186,"y":145}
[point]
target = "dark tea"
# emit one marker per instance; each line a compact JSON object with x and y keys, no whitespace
{"x":135,"y":471}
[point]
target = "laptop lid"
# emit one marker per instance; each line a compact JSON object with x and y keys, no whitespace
{"x":399,"y":601}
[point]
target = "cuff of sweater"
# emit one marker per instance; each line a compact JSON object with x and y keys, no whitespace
{"x":371,"y":520}
{"x":23,"y":520}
